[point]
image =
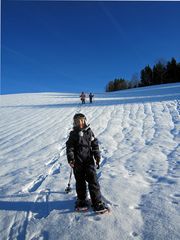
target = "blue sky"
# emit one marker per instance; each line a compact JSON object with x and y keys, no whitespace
{"x":80,"y":46}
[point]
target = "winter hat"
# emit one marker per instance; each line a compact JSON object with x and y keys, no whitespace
{"x":78,"y":116}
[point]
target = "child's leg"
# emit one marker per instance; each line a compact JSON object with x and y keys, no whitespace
{"x":93,"y":184}
{"x":80,"y":182}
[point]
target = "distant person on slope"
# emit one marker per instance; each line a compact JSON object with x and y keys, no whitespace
{"x":91,"y":97}
{"x":81,"y":149}
{"x":83,"y":97}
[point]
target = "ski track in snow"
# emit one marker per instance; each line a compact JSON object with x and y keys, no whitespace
{"x":139,"y":173}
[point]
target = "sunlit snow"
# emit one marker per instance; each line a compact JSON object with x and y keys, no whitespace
{"x":139,"y":136}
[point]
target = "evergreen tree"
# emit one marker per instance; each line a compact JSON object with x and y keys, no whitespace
{"x":110,"y":86}
{"x":117,"y":84}
{"x":172,"y":72}
{"x":146,"y":76}
{"x":159,"y":71}
{"x":178,"y":72}
{"x":120,"y":84}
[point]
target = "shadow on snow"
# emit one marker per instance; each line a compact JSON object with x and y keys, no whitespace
{"x":39,"y":209}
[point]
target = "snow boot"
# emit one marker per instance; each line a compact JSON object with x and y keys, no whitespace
{"x":100,"y":208}
{"x":81,"y":205}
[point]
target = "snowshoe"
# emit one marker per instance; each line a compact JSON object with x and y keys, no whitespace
{"x":101,"y":208}
{"x":81,"y":205}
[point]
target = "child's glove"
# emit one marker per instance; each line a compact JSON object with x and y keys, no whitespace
{"x":71,"y":163}
{"x":97,"y":162}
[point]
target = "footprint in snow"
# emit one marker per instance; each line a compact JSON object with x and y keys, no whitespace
{"x":53,"y":160}
{"x":175,"y":198}
{"x":177,"y":195}
{"x":36,"y":184}
{"x":134,"y":234}
{"x":55,"y":170}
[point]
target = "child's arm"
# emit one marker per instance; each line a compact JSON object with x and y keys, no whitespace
{"x":95,"y":149}
{"x":70,"y":149}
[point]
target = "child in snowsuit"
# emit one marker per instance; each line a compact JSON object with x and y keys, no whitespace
{"x":82,"y":148}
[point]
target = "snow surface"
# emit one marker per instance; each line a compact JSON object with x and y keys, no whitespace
{"x":139,"y":136}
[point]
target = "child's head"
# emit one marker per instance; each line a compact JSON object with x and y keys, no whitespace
{"x":79,"y":120}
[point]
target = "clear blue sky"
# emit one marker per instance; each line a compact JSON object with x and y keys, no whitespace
{"x":81,"y":46}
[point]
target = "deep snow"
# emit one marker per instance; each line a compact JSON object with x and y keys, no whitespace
{"x":139,"y":136}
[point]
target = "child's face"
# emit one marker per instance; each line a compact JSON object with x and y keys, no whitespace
{"x":80,"y":122}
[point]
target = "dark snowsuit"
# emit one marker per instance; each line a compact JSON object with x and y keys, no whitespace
{"x":91,"y":97}
{"x":81,"y":147}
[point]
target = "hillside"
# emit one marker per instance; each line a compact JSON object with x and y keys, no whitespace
{"x":139,"y":135}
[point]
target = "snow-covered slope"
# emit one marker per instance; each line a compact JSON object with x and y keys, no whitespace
{"x":139,"y":136}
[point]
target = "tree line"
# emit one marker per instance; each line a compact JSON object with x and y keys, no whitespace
{"x":160,"y":73}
